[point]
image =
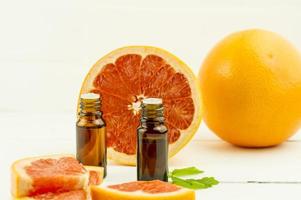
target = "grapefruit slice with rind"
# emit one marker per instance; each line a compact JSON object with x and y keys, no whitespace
{"x":126,"y":76}
{"x":52,"y":175}
{"x":142,"y":190}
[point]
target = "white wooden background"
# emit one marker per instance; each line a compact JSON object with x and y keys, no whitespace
{"x":47,"y":47}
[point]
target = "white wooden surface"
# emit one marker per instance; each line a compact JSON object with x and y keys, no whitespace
{"x":271,"y":173}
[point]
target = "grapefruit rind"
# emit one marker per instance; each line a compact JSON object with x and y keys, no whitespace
{"x":178,"y":66}
{"x":103,"y":192}
{"x":257,"y":74}
{"x":21,"y":182}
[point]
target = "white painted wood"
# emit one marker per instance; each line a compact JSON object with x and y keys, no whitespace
{"x":237,"y":191}
{"x":227,"y":191}
{"x":33,"y":134}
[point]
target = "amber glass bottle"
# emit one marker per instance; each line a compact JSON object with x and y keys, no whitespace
{"x":91,"y":132}
{"x":152,"y":147}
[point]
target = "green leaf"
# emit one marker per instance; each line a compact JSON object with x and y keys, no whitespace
{"x":203,"y":183}
{"x":209,"y":181}
{"x":181,"y":182}
{"x":187,"y":184}
{"x":186,"y":171}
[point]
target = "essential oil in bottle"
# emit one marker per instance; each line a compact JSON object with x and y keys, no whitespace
{"x":91,"y":132}
{"x":152,"y":147}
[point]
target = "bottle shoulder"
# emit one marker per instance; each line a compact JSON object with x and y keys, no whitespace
{"x":89,"y":121}
{"x":159,"y":129}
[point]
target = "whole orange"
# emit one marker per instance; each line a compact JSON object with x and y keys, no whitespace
{"x":251,"y":89}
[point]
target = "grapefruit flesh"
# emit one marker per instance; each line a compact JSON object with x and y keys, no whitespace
{"x":72,"y":195}
{"x":143,"y":190}
{"x":52,"y":175}
{"x":127,"y":75}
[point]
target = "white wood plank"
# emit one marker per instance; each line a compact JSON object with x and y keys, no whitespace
{"x":230,"y":163}
{"x":237,"y":191}
{"x":251,"y":192}
{"x":38,"y":134}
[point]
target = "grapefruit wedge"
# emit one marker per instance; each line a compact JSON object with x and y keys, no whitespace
{"x":52,"y":175}
{"x":142,"y":190}
{"x":127,"y":75}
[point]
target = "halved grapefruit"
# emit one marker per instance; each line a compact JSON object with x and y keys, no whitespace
{"x":52,"y":175}
{"x":142,"y":190}
{"x":127,"y":75}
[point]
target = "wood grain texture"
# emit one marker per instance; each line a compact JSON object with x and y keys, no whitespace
{"x":269,"y":173}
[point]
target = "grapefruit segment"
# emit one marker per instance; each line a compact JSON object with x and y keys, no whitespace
{"x":179,"y":112}
{"x":111,"y":104}
{"x":150,"y":67}
{"x":152,"y":88}
{"x":176,"y":87}
{"x":126,"y":76}
{"x":124,"y":143}
{"x":128,"y":67}
{"x":105,"y":82}
{"x":142,"y":190}
{"x":173,"y":133}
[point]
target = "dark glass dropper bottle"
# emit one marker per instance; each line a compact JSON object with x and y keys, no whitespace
{"x":152,"y":147}
{"x":91,"y":132}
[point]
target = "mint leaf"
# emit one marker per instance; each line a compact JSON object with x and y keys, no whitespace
{"x":192,"y":184}
{"x":207,"y":182}
{"x":186,"y":171}
{"x":182,"y":182}
{"x":203,"y":183}
{"x":195,"y":184}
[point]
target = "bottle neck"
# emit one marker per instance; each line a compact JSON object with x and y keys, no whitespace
{"x":90,"y":107}
{"x":152,"y":114}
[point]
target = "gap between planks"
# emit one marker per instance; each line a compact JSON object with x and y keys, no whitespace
{"x":261,"y":182}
